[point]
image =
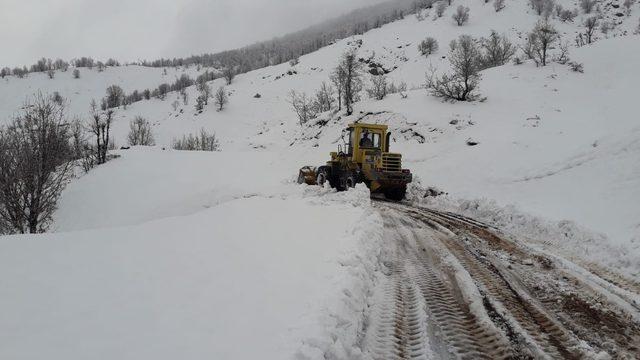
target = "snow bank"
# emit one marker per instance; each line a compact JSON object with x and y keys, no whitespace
{"x":569,"y":239}
{"x":253,"y":278}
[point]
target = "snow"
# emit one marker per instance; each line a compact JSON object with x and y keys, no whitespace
{"x":188,"y":287}
{"x":167,"y":254}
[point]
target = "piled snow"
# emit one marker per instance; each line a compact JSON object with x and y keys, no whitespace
{"x":266,"y":276}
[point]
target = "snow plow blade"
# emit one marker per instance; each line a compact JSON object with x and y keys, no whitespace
{"x":307,"y":175}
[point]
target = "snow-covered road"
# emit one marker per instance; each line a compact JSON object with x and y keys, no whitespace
{"x":457,"y":288}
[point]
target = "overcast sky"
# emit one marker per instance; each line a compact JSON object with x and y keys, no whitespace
{"x":145,"y":29}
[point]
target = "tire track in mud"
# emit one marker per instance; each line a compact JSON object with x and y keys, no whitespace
{"x":421,"y":314}
{"x":537,"y":320}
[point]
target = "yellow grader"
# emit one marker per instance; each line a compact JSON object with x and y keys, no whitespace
{"x":364,"y":158}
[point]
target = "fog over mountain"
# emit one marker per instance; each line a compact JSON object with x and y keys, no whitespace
{"x":150,"y":29}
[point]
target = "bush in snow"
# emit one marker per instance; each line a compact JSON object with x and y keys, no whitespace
{"x":140,"y":133}
{"x":428,"y":46}
{"x":5,"y":72}
{"x":465,"y":57}
{"x":590,"y":25}
{"x":203,"y":141}
{"x":606,"y":26}
{"x":76,"y":73}
{"x":57,"y":98}
{"x":461,"y":16}
{"x":577,"y":67}
{"x":295,"y":61}
{"x":221,"y":98}
{"x":498,"y":50}
{"x":627,"y":5}
{"x":35,"y":165}
{"x":440,"y":8}
{"x":51,"y":73}
{"x":539,"y":41}
{"x":543,"y":8}
{"x":303,"y":106}
{"x":378,"y":89}
{"x":588,"y":5}
{"x":567,"y":15}
{"x":498,"y":5}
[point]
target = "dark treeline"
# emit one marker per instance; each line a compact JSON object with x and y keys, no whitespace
{"x":288,"y":47}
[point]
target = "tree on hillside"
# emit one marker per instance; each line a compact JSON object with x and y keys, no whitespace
{"x":324,"y":98}
{"x":115,"y":95}
{"x":303,"y":106}
{"x":588,"y":5}
{"x":498,"y":50}
{"x":590,"y":25}
{"x":229,"y":74}
{"x":349,"y":76}
{"x":221,"y":98}
{"x":35,"y":165}
{"x":140,"y":133}
{"x":465,"y":58}
{"x":379,"y":87}
{"x":428,"y":46}
{"x":539,"y":41}
{"x":100,"y":127}
{"x":461,"y":16}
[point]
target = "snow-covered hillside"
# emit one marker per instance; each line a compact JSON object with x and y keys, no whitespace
{"x":165,"y":254}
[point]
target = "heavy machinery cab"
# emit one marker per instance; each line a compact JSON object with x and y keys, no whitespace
{"x":363,"y":157}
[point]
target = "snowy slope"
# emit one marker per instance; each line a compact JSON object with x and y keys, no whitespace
{"x":144,"y":247}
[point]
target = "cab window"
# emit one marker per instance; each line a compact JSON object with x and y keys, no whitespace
{"x":369,"y":140}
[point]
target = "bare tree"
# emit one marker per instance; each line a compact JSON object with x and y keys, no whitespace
{"x":627,"y":5}
{"x":76,"y":73}
{"x":338,"y":79}
{"x":440,"y":8}
{"x":229,"y":74}
{"x":140,"y":133}
{"x":588,"y":5}
{"x":461,"y":16}
{"x":205,"y":91}
{"x":303,"y":106}
{"x":498,"y":5}
{"x":351,"y":71}
{"x":590,"y":25}
{"x":539,"y":41}
{"x":115,"y":95}
{"x":51,"y":73}
{"x":465,"y":57}
{"x":498,"y":50}
{"x":221,"y":98}
{"x":428,"y":46}
{"x":324,"y":98}
{"x":100,"y":127}
{"x":35,"y":165}
{"x":5,"y":72}
{"x":379,"y":86}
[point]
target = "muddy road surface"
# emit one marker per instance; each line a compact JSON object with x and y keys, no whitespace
{"x":458,"y":289}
